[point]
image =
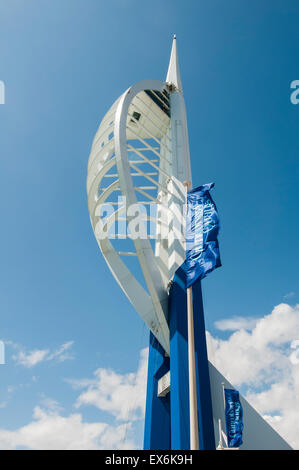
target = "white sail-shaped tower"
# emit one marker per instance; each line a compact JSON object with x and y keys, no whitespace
{"x":135,"y":163}
{"x":138,"y":171}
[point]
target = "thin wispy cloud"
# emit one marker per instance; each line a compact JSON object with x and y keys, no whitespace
{"x":32,"y":358}
{"x":63,"y":353}
{"x":50,"y":404}
{"x":289,"y":295}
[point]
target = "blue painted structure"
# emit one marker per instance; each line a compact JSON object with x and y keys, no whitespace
{"x":175,"y":433}
{"x":157,"y":413}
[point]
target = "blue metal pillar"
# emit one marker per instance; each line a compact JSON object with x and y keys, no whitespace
{"x":179,"y":405}
{"x":157,"y":413}
{"x":180,"y":432}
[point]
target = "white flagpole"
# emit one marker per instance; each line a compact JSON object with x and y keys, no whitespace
{"x":223,"y":393}
{"x":220,"y":445}
{"x":194,"y":440}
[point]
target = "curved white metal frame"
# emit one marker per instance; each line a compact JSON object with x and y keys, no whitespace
{"x":105,"y":154}
{"x":158,"y":293}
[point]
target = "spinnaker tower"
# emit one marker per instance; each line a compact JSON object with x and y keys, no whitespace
{"x":138,"y":174}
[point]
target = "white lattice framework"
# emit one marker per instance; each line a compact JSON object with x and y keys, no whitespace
{"x":140,"y":152}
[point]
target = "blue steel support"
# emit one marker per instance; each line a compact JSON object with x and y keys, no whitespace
{"x":174,"y":408}
{"x":179,"y":405}
{"x":180,"y":432}
{"x":157,"y":414}
{"x":204,"y":399}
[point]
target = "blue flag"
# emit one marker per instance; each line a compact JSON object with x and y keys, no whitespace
{"x":233,"y":418}
{"x":202,"y":227}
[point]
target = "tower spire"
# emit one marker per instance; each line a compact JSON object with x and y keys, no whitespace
{"x":173,"y":74}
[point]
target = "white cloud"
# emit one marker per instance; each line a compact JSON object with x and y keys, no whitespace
{"x":32,"y":358}
{"x":260,"y":360}
{"x":236,"y":323}
{"x":50,"y":404}
{"x":62,"y":354}
{"x":256,"y":360}
{"x":51,"y":431}
{"x":121,"y":395}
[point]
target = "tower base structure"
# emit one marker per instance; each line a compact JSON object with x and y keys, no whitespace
{"x":157,"y":413}
{"x":167,"y":418}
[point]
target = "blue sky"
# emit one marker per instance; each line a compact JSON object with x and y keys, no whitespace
{"x":63,"y":64}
